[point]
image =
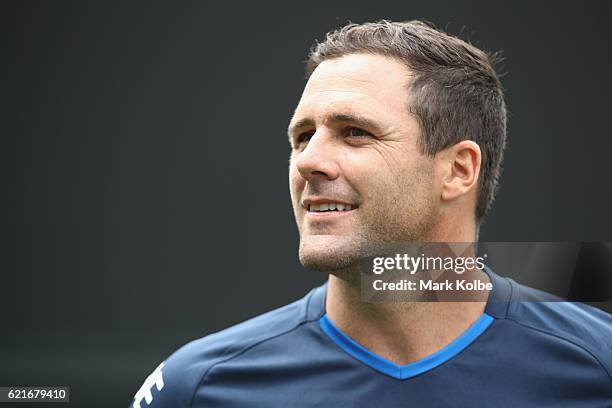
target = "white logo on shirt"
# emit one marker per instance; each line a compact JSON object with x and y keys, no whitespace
{"x":156,"y":378}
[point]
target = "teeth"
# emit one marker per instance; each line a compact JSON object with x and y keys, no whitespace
{"x":329,"y":207}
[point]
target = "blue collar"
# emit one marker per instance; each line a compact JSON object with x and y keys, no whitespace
{"x":402,"y":372}
{"x":497,"y":305}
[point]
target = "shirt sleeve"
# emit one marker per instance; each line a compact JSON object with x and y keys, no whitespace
{"x":173,"y":382}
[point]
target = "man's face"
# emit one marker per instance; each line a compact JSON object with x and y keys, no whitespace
{"x":356,"y":175}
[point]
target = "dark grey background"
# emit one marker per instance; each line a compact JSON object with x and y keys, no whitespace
{"x":146,"y":163}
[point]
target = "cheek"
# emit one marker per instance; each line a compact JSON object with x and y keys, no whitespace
{"x":375,"y":181}
{"x":398,"y":190}
{"x":296,"y":182}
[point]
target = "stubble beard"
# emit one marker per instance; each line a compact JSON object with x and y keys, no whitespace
{"x":382,"y":226}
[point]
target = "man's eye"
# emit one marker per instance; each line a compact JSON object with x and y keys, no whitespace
{"x":356,"y":132}
{"x":304,"y":137}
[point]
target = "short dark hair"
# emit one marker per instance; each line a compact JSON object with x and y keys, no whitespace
{"x":455,"y":93}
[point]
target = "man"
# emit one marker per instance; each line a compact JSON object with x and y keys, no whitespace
{"x":398,"y":137}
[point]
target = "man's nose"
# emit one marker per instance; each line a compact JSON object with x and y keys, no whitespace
{"x":319,"y":158}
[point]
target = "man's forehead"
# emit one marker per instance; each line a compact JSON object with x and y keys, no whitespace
{"x":360,"y":82}
{"x":359,"y":71}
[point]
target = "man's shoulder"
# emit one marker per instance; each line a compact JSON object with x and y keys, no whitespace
{"x":576,"y":324}
{"x":186,"y":368}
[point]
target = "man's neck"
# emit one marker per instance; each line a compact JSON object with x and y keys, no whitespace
{"x":405,"y":332}
{"x":401,"y":332}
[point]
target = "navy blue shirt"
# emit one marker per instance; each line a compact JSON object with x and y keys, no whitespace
{"x":521,"y":353}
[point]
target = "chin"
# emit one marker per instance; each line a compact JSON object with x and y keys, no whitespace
{"x":328,"y":254}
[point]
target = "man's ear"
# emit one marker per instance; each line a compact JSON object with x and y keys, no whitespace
{"x":462,"y":169}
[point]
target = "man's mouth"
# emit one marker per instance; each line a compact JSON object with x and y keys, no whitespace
{"x":329,"y":207}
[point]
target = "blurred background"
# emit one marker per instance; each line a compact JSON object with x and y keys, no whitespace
{"x":146,"y":159}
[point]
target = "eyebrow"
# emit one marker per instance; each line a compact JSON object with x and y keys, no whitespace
{"x":358,"y":121}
